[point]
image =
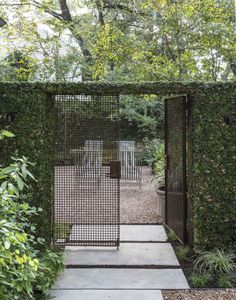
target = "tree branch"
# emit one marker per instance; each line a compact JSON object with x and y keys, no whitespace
{"x":47,"y":10}
{"x":110,"y":5}
{"x":100,"y":12}
{"x":67,"y":18}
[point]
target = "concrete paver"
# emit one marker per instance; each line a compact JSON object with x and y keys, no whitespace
{"x":107,"y":294}
{"x":139,"y":270}
{"x":129,"y":254}
{"x":143,"y":233}
{"x":108,"y":278}
{"x":136,"y":233}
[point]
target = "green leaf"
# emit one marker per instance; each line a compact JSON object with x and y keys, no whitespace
{"x":30,"y":174}
{"x":8,"y":170}
{"x":24,"y":171}
{"x":13,"y":189}
{"x":20,"y":183}
{"x":7,"y":244}
{"x":7,"y":133}
{"x":4,"y":185}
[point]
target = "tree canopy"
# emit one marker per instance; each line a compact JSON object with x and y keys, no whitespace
{"x":121,"y":40}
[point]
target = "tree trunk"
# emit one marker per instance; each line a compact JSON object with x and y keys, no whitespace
{"x":67,"y":18}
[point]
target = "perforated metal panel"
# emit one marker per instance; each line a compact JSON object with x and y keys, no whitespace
{"x":175,"y":149}
{"x":86,"y":195}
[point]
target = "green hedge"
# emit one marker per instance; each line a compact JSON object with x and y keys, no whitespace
{"x":32,"y":126}
{"x":214,"y":169}
{"x":212,"y":184}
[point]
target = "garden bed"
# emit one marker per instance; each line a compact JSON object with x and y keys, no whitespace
{"x":187,"y":258}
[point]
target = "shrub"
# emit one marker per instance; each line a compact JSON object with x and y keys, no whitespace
{"x":182,"y":252}
{"x":141,"y":117}
{"x":157,"y":155}
{"x":225,"y":281}
{"x":50,"y":265}
{"x":21,"y":265}
{"x":220,"y":264}
{"x":171,"y":235}
{"x":152,"y":151}
{"x":217,"y":262}
{"x":199,"y":280}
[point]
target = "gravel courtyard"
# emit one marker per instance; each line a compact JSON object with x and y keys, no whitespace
{"x":139,"y":205}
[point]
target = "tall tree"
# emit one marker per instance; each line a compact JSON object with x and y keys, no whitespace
{"x":131,"y":39}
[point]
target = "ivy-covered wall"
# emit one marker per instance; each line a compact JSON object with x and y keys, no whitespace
{"x":214,"y":168}
{"x":32,"y":126}
{"x":212,"y":138}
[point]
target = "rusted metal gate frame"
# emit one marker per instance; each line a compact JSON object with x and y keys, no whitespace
{"x":99,"y":234}
{"x":184,"y":240}
{"x":183,"y":236}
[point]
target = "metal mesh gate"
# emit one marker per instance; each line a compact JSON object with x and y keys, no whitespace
{"x":86,"y":173}
{"x":175,"y":149}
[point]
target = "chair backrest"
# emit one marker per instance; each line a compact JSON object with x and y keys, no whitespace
{"x":93,"y":151}
{"x":126,"y":145}
{"x":129,"y":164}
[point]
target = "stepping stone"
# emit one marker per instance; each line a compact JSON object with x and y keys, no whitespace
{"x":92,"y":232}
{"x":106,"y":294}
{"x":130,"y":233}
{"x":142,"y":233}
{"x":129,"y":254}
{"x":122,"y":279}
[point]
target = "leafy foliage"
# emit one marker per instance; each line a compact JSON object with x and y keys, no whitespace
{"x":225,"y":281}
{"x":22,"y":268}
{"x":5,"y":133}
{"x":219,"y":264}
{"x":50,"y":265}
{"x":152,"y":151}
{"x":159,"y":177}
{"x":123,"y":40}
{"x":32,"y":128}
{"x":182,"y":252}
{"x":171,"y":235}
{"x":200,"y":280}
{"x":20,"y":67}
{"x":141,"y":117}
{"x":211,"y":148}
{"x":214,"y":170}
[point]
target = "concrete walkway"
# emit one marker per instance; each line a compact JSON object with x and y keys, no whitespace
{"x":143,"y":266}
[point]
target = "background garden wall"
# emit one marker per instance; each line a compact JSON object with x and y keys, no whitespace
{"x":32,"y":126}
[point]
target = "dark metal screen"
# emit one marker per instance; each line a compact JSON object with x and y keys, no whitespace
{"x":175,"y":149}
{"x":86,"y":171}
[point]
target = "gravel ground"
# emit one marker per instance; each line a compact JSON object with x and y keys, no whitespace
{"x":139,"y":205}
{"x":80,"y":204}
{"x":200,"y":295}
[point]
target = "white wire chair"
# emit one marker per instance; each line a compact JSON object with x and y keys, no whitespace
{"x":88,"y":162}
{"x":129,"y":157}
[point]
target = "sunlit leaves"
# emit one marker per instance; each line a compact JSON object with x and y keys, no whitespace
{"x":5,"y":133}
{"x":20,"y":268}
{"x":141,"y":40}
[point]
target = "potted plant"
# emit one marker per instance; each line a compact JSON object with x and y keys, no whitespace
{"x":151,"y":153}
{"x":159,"y":180}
